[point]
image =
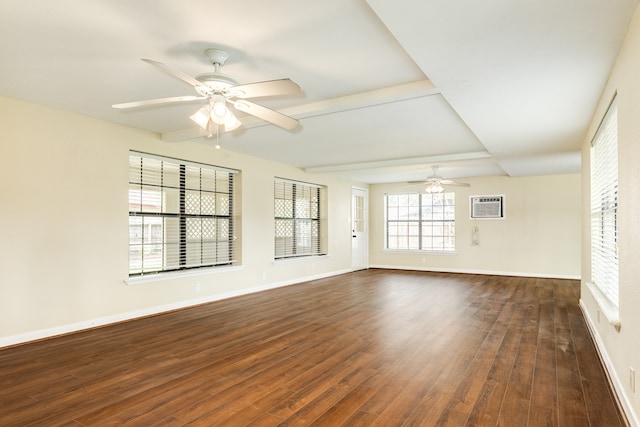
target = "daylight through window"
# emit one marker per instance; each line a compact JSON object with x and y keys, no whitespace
{"x":181,"y":215}
{"x":297,"y":212}
{"x":604,"y":206}
{"x":420,"y":222}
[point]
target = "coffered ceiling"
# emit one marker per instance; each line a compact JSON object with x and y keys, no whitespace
{"x":389,"y":88}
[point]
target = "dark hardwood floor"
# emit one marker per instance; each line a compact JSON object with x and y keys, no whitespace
{"x":370,"y":348}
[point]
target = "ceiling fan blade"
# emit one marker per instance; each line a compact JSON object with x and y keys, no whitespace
{"x":417,"y":184}
{"x":266,"y":88}
{"x":456,"y":183}
{"x":267,"y":114}
{"x":175,"y":73}
{"x":148,"y":102}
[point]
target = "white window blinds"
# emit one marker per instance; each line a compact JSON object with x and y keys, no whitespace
{"x":181,"y":215}
{"x":604,"y":206}
{"x":297,"y":219}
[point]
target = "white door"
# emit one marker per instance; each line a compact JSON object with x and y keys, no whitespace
{"x":359,"y":229}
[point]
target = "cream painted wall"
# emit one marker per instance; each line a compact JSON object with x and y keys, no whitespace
{"x":64,"y":225}
{"x":621,"y":350}
{"x":539,"y":236}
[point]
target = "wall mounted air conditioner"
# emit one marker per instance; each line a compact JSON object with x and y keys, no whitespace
{"x":487,"y":207}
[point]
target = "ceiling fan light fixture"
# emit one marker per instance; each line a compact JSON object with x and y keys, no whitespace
{"x":231,"y":122}
{"x":201,"y":117}
{"x":205,"y":118}
{"x":434,"y":187}
{"x":219,"y":109}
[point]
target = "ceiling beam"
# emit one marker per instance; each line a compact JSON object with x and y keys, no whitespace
{"x":371,"y":98}
{"x":400,"y":162}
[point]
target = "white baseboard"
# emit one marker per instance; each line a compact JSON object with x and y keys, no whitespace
{"x":122,"y":317}
{"x":622,"y":397}
{"x":484,"y":272}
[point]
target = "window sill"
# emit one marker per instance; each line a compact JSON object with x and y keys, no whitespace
{"x":293,"y":260}
{"x":414,"y":252}
{"x":159,"y":277}
{"x":610,"y":311}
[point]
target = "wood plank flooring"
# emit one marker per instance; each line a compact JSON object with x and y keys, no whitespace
{"x":370,"y":348}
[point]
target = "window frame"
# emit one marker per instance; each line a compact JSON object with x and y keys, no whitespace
{"x":298,"y":216}
{"x":604,"y":205}
{"x":420,"y":223}
{"x":193,"y":208}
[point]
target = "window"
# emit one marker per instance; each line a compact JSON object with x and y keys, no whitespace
{"x":604,"y":206}
{"x":181,"y":215}
{"x":420,"y":222}
{"x":297,"y":211}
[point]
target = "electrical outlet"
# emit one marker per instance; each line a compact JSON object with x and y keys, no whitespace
{"x":632,"y":379}
{"x":197,"y":287}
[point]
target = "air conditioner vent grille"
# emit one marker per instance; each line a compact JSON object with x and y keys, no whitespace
{"x":487,"y":207}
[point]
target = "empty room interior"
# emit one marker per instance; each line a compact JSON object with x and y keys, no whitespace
{"x":336,"y":213}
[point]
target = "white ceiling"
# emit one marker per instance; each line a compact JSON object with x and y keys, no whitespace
{"x":390,"y":87}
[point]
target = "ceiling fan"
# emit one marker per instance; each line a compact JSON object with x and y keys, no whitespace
{"x":221,"y":92}
{"x":435,"y":183}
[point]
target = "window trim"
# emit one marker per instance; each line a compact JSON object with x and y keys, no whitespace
{"x":317,"y":247}
{"x":180,"y":262}
{"x":420,"y":221}
{"x":601,"y":210}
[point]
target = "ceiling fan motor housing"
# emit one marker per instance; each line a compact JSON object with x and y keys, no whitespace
{"x":218,"y":83}
{"x":217,"y":56}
